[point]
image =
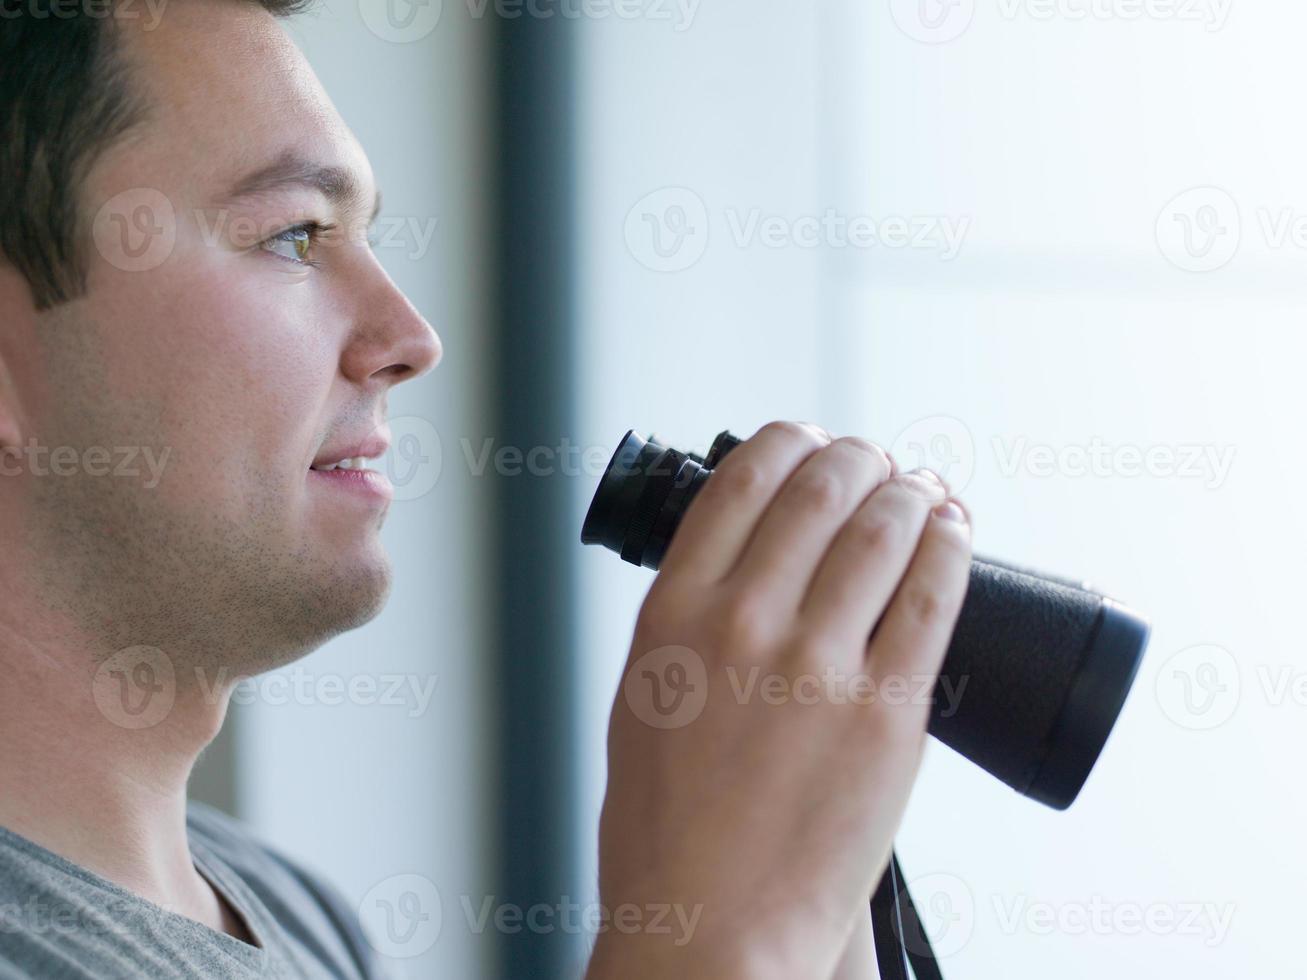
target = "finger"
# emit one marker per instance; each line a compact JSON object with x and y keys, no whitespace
{"x":913,"y":635}
{"x":868,"y":558}
{"x":723,"y":514}
{"x":808,"y":511}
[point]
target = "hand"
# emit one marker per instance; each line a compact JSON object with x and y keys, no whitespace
{"x":859,"y":960}
{"x":756,"y":776}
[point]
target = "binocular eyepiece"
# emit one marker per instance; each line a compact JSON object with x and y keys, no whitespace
{"x":1038,"y":667}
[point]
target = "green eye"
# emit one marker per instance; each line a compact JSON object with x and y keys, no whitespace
{"x":293,"y":244}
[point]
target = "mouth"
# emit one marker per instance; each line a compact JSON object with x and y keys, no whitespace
{"x":350,"y":473}
{"x":349,"y":463}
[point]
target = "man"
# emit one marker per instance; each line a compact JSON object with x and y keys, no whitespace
{"x":246,"y":354}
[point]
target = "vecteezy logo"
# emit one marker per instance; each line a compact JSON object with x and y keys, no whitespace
{"x":667,"y":687}
{"x":402,"y":916}
{"x":933,"y":21}
{"x":135,"y":230}
{"x":667,"y":230}
{"x":941,"y":443}
{"x":401,"y":21}
{"x":1199,"y":229}
{"x":414,"y":461}
{"x":1199,"y":687}
{"x":947,"y":914}
{"x":136,"y":687}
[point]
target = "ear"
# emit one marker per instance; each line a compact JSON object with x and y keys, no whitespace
{"x":18,"y":351}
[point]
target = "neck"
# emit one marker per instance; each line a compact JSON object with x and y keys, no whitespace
{"x":95,"y":753}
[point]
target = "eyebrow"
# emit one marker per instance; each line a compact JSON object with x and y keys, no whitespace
{"x":339,"y":185}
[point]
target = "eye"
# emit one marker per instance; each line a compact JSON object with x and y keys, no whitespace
{"x":295,"y":244}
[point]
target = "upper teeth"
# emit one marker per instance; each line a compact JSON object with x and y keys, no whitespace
{"x":353,"y":463}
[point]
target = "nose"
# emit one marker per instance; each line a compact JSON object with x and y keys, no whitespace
{"x":391,"y":341}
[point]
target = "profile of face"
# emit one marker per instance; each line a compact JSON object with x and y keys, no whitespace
{"x":237,"y":331}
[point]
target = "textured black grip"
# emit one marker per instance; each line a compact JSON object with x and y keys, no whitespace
{"x":1019,"y":642}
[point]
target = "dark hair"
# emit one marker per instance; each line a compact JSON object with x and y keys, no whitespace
{"x":65,"y":97}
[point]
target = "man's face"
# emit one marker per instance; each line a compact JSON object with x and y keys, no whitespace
{"x":241,"y":349}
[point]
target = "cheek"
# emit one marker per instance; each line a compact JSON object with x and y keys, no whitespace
{"x":238,"y":368}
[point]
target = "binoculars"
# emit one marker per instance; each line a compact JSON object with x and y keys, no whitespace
{"x":1038,"y":666}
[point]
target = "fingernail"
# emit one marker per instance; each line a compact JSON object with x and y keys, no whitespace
{"x":950,"y":511}
{"x":930,"y":475}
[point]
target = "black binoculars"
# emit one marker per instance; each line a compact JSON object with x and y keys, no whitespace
{"x":1038,"y":667}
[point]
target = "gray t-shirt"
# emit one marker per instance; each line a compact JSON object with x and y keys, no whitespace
{"x":59,"y":921}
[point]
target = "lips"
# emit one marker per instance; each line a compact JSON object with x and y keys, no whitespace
{"x":352,"y":456}
{"x":353,"y":463}
{"x":368,"y":485}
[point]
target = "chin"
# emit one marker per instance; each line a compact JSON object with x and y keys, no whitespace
{"x":364,"y":587}
{"x":344,"y":594}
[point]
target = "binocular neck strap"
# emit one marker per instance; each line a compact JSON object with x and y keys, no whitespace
{"x":900,"y":938}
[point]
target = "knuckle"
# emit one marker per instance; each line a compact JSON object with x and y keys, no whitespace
{"x":790,"y":430}
{"x":783,"y":427}
{"x":870,"y":459}
{"x":864,"y":446}
{"x":869,"y":532}
{"x":922,"y":484}
{"x":924,"y":604}
{"x":743,"y":479}
{"x":818,"y":491}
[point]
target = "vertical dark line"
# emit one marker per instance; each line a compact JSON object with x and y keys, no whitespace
{"x":533,"y":368}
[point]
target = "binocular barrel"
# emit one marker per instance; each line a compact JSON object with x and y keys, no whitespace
{"x":1038,"y":667}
